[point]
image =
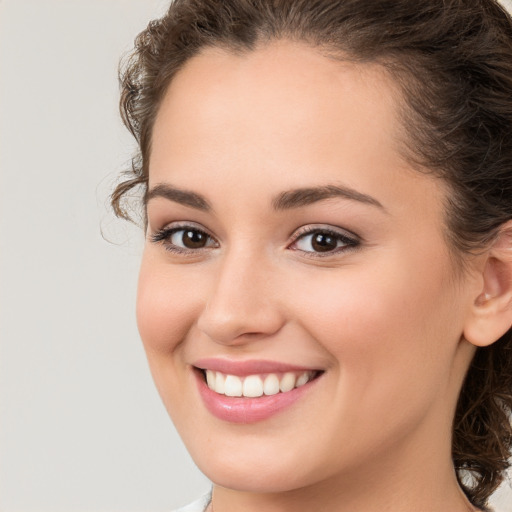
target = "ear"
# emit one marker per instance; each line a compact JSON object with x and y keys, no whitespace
{"x":491,"y":311}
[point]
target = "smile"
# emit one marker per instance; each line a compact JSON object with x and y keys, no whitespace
{"x":251,"y":391}
{"x":253,"y":386}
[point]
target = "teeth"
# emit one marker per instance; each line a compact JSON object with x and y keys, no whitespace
{"x":233,"y":386}
{"x":210,"y":379}
{"x":287,"y":382}
{"x":271,"y":384}
{"x":219,"y":383}
{"x":303,"y":379}
{"x":253,"y":386}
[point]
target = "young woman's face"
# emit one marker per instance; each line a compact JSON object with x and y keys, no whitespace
{"x":294,"y":256}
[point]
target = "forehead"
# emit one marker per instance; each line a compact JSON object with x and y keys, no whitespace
{"x":285,"y":116}
{"x":282,"y":93}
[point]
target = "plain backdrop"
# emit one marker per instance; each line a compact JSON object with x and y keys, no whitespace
{"x":81,"y":425}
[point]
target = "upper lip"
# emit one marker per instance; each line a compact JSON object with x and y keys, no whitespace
{"x":248,"y":367}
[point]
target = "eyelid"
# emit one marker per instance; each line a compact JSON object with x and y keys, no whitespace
{"x":162,"y":235}
{"x":350,"y":240}
{"x":176,"y":226}
{"x":353,"y":241}
{"x":313,"y":228}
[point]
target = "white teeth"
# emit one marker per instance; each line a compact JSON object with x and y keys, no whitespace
{"x":271,"y":385}
{"x":233,"y":386}
{"x":253,"y":386}
{"x":210,"y":379}
{"x":219,"y":383}
{"x":303,"y":379}
{"x":287,"y":382}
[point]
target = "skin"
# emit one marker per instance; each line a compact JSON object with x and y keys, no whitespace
{"x":383,"y":320}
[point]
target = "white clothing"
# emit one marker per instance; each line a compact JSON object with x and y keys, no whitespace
{"x":199,"y":505}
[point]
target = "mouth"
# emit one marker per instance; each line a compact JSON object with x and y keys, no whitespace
{"x":256,"y":385}
{"x":252,"y":391}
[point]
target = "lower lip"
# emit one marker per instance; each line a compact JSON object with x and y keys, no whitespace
{"x":248,"y":410}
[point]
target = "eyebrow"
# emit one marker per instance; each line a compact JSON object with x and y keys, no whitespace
{"x":289,"y":199}
{"x":184,"y":197}
{"x":309,"y":195}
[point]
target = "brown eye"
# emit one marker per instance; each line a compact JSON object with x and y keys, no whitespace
{"x":184,"y":239}
{"x":323,"y":242}
{"x":192,"y":239}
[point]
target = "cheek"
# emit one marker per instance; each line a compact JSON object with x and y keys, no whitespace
{"x":387,"y":329}
{"x":166,"y":306}
{"x":385,"y":322}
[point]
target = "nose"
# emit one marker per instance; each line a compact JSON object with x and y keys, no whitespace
{"x":243,"y":302}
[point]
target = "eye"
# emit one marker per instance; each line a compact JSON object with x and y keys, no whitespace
{"x":184,"y":239}
{"x":324,"y":241}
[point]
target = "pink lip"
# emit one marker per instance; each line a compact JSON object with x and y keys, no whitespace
{"x":247,"y":367}
{"x":247,"y":410}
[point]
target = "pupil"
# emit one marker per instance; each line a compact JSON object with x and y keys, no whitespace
{"x":323,"y":242}
{"x":194,"y":239}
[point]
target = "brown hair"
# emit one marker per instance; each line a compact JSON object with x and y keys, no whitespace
{"x":453,"y":62}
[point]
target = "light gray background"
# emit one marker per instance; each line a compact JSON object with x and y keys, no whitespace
{"x":81,"y":426}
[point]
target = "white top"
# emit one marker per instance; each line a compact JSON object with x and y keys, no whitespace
{"x":199,"y":505}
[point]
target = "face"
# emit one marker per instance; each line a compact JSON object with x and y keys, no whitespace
{"x":294,"y":258}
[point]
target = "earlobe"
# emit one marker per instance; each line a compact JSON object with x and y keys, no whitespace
{"x":491,"y":312}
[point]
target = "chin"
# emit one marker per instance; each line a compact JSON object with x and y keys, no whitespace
{"x":255,"y":466}
{"x":247,"y":478}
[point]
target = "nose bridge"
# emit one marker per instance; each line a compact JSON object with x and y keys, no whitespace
{"x":241,"y":300}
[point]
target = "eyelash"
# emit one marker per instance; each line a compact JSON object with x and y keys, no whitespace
{"x":350,"y":242}
{"x":164,"y":235}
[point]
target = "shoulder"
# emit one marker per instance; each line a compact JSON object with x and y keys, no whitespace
{"x":197,"y":506}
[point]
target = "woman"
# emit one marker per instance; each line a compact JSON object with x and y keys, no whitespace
{"x":325,"y":295}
